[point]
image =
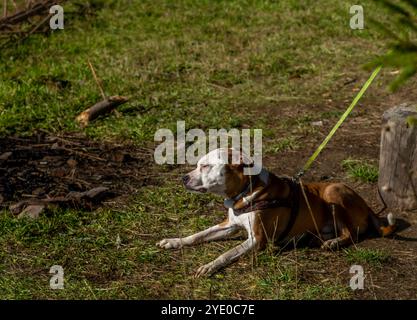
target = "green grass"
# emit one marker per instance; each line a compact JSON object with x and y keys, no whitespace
{"x":279,"y":278}
{"x":283,"y":144}
{"x":331,"y":114}
{"x":375,"y":257}
{"x":213,"y":64}
{"x":96,"y":266}
{"x":202,"y":62}
{"x":361,"y":170}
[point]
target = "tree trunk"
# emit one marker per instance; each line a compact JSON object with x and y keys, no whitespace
{"x":398,"y":158}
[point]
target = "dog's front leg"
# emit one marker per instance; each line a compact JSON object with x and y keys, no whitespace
{"x":220,"y":231}
{"x":227,"y":258}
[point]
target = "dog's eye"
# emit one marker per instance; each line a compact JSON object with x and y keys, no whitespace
{"x":204,"y":166}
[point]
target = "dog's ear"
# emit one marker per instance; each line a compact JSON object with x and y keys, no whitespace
{"x":238,"y":159}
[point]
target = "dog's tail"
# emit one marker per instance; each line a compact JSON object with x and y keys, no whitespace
{"x":385,"y":227}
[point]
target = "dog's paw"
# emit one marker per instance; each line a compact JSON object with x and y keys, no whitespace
{"x":207,"y":270}
{"x":174,"y":243}
{"x":330,"y":244}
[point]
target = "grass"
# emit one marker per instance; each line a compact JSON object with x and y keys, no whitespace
{"x":361,"y":170}
{"x":228,"y":60}
{"x":280,"y":278}
{"x":283,"y":144}
{"x":214,"y":64}
{"x":375,"y":257}
{"x":98,"y":266}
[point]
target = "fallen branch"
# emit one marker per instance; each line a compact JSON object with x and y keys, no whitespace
{"x":102,"y":107}
{"x":43,"y":21}
{"x":39,"y":8}
{"x":87,"y":200}
{"x":25,"y":21}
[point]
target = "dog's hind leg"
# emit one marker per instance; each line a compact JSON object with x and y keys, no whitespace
{"x":220,"y":231}
{"x":335,"y":243}
{"x":383,"y":230}
{"x":343,"y":235}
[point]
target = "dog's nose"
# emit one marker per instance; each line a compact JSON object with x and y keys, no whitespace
{"x":185,"y":179}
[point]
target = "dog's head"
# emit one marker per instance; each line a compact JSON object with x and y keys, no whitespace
{"x":220,"y":172}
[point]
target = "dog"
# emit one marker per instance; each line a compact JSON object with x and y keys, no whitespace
{"x":273,"y":208}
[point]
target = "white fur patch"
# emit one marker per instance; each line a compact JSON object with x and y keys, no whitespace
{"x":245,"y":220}
{"x":391,"y":219}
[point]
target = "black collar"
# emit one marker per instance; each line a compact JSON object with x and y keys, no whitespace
{"x":263,"y":176}
{"x":230,"y":202}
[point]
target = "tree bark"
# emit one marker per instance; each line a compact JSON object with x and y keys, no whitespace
{"x":398,"y":158}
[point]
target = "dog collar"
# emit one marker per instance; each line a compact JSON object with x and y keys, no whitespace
{"x":230,"y":202}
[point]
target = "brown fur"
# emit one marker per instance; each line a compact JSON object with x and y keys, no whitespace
{"x":332,"y":205}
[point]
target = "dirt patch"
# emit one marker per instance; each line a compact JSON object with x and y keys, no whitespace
{"x":48,"y":168}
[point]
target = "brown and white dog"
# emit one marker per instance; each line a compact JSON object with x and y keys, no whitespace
{"x":272,"y":208}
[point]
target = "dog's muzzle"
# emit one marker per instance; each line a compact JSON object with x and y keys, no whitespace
{"x":186,"y":180}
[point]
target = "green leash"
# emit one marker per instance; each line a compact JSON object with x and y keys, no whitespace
{"x":341,"y":120}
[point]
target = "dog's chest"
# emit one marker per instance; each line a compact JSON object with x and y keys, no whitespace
{"x":244,"y":220}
